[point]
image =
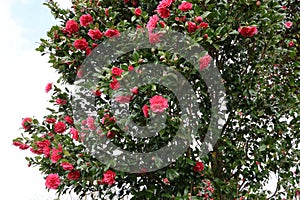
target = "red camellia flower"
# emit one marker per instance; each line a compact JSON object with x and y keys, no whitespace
{"x":138,"y":12}
{"x":203,"y":25}
{"x":291,"y":43}
{"x":158,"y":104}
{"x":61,"y":101}
{"x":81,"y":44}
{"x":185,"y":6}
{"x":71,"y":27}
{"x":108,"y":177}
{"x":26,"y":123}
{"x":85,"y":20}
{"x":204,"y":62}
{"x":74,"y":133}
{"x":247,"y":31}
{"x":192,"y":27}
{"x":97,"y":93}
{"x":116,"y":71}
{"x":114,"y":85}
{"x":56,"y":154}
{"x":135,"y":90}
{"x":24,"y":146}
{"x":69,"y":119}
{"x":48,"y":87}
{"x":73,"y":175}
{"x":112,"y":33}
{"x":198,"y":19}
{"x":67,"y":166}
{"x":130,"y":68}
{"x":199,"y":166}
{"x":288,"y":24}
{"x":95,"y":34}
{"x":110,"y":134}
{"x":52,"y":181}
{"x":60,"y":127}
{"x":164,"y":12}
{"x":17,"y":143}
{"x":50,"y":120}
{"x":145,"y":111}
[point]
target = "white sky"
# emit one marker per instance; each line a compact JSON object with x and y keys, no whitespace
{"x":24,"y":76}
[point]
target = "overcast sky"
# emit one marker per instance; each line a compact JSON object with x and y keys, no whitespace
{"x":24,"y":74}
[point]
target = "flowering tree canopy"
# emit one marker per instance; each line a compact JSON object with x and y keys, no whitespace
{"x":254,"y":47}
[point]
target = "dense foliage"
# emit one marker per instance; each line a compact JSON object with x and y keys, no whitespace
{"x":255,"y":46}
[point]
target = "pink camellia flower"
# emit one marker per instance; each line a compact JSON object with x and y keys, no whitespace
{"x":164,"y":4}
{"x":130,"y":68}
{"x":138,"y":12}
{"x":108,"y":177}
{"x":85,"y":20}
{"x":166,"y":181}
{"x":283,"y":7}
{"x":112,"y":33}
{"x":59,"y":127}
{"x":145,"y":111}
{"x":48,"y":87}
{"x":164,"y":12}
{"x":74,"y":133}
{"x":185,"y":6}
{"x":67,"y":166}
{"x":288,"y":24}
{"x":114,"y":85}
{"x":71,"y":27}
{"x":158,"y":104}
{"x":50,"y":120}
{"x":247,"y":31}
{"x":95,"y":34}
{"x":91,"y":123}
{"x":117,"y":71}
{"x":52,"y":181}
{"x":154,"y":37}
{"x":26,"y":123}
{"x":80,"y":72}
{"x":152,"y":23}
{"x":69,"y":119}
{"x":110,"y":134}
{"x":204,"y":62}
{"x":73,"y":175}
{"x":61,"y":101}
{"x":81,"y":44}
{"x":123,"y":99}
{"x":199,"y":166}
{"x":192,"y":27}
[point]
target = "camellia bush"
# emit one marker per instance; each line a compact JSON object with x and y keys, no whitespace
{"x":254,"y":47}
